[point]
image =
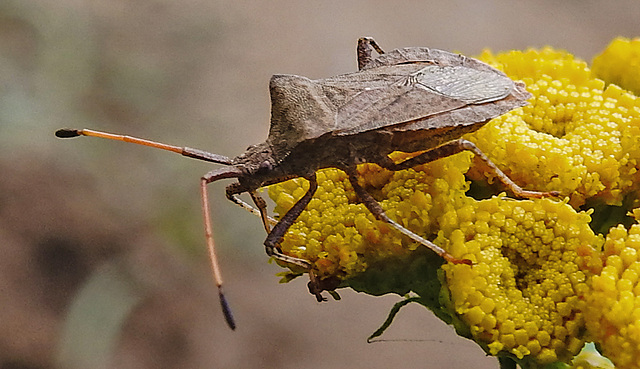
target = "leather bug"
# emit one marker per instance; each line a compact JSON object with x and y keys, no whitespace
{"x":411,"y":99}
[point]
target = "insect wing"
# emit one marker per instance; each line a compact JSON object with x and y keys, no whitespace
{"x":426,"y":91}
{"x":468,"y":85}
{"x":414,"y":55}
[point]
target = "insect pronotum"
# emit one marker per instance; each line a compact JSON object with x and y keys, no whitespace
{"x":411,"y":99}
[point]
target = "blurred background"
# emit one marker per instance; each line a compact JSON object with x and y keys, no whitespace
{"x":102,"y":257}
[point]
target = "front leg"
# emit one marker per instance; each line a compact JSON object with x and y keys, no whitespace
{"x":277,"y":233}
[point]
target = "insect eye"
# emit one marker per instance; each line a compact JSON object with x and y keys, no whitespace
{"x":265,"y":166}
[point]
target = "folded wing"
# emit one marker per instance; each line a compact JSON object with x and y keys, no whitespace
{"x":394,"y":95}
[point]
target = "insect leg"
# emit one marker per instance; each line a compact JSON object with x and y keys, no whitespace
{"x":233,"y":190}
{"x":262,"y":208}
{"x":455,"y":147}
{"x":208,"y":231}
{"x":278,"y":231}
{"x":365,"y":46}
{"x":376,"y":209}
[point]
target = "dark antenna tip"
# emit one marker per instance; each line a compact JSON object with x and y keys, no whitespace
{"x":67,"y":133}
{"x":226,"y":310}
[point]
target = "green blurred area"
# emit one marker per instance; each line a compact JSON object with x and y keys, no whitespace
{"x":86,"y":218}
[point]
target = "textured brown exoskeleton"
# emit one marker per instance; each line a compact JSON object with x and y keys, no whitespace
{"x":409,"y":100}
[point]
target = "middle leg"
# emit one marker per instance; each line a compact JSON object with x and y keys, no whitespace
{"x":376,"y":209}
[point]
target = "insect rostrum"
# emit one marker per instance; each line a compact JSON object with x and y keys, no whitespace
{"x":410,"y":99}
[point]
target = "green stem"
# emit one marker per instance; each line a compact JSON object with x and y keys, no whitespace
{"x":392,"y":314}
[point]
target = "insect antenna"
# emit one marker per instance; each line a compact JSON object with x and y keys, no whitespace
{"x":185,"y":151}
{"x":221,"y":173}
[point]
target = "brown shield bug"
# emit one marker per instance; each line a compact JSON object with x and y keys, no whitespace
{"x":411,"y":99}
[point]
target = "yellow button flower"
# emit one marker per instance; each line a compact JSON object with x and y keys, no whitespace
{"x":620,"y":64}
{"x":576,"y":136}
{"x":612,"y":307}
{"x":543,"y":280}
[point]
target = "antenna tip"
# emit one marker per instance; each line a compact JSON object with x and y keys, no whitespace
{"x":67,"y":133}
{"x":226,"y":310}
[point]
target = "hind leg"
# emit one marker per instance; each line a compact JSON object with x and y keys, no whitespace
{"x":366,"y":45}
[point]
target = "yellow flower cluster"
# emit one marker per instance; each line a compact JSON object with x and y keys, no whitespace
{"x":612,"y":307}
{"x":539,"y":278}
{"x":576,"y":136}
{"x":521,"y":296}
{"x":620,"y":64}
{"x":341,"y":237}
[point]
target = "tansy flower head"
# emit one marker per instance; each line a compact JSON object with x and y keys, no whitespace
{"x":612,"y":306}
{"x":539,"y":285}
{"x":576,"y":136}
{"x":620,"y":64}
{"x":521,"y":295}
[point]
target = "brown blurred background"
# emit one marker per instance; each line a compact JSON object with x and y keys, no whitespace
{"x":102,"y":260}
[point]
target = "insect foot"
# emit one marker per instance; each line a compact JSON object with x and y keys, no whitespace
{"x":317,"y":286}
{"x":408,"y":100}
